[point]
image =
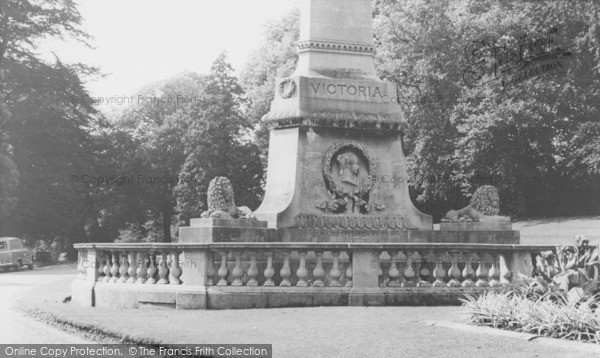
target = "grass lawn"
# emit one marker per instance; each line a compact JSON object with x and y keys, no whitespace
{"x":294,"y":332}
{"x":557,"y":231}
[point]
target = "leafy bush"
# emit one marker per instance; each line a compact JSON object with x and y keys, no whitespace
{"x":573,"y":271}
{"x":561,"y":300}
{"x":550,"y":314}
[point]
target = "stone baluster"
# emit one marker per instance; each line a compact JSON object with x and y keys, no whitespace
{"x":223,"y":271}
{"x":335,"y":272}
{"x":319,"y":272}
{"x":481,"y":274}
{"x":494,"y":273}
{"x":468,"y":272}
{"x":107,"y":268}
{"x":382,"y":279}
{"x":454,"y":272}
{"x":252,"y":271}
{"x":101,"y":257}
{"x":505,"y":273}
{"x":302,"y":272}
{"x":124,"y":268}
{"x":245,"y":277}
{"x":285,"y":272}
{"x":349,"y":271}
{"x":132,"y":271}
{"x":425,"y":271}
{"x":152,"y":270}
{"x":210,"y":270}
{"x":439,"y":273}
{"x":114,"y":270}
{"x":175,"y":270}
{"x":401,"y":260}
{"x":102,"y":264}
{"x":409,"y":272}
{"x":417,"y":261}
{"x":237,"y":272}
{"x":141,"y":269}
{"x":163,"y":269}
{"x":393,"y":272}
{"x":269,"y":271}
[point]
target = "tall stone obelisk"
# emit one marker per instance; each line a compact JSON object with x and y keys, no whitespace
{"x":335,"y":155}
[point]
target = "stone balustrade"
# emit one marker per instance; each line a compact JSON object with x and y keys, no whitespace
{"x":445,"y":268}
{"x":150,"y":267}
{"x":220,"y":275}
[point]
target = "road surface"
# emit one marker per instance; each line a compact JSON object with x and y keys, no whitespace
{"x":15,"y":328}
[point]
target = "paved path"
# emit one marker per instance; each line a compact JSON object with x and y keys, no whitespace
{"x":18,"y":329}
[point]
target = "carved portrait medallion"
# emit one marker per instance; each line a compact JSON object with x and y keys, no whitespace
{"x":349,"y":171}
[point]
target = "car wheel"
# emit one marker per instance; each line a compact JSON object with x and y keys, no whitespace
{"x":30,"y":267}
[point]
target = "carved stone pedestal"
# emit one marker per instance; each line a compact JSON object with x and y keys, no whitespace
{"x":335,"y":157}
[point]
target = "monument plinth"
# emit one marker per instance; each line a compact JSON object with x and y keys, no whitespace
{"x":335,"y":155}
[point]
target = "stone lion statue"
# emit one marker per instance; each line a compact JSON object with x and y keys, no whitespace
{"x":221,"y":204}
{"x":484,"y":206}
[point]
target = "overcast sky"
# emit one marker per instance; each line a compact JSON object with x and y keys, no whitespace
{"x":142,"y":41}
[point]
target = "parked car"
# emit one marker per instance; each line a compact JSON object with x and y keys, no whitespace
{"x":13,"y":255}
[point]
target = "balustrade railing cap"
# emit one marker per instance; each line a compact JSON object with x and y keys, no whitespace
{"x":262,"y":246}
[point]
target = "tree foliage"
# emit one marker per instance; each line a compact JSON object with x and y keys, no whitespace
{"x":217,"y":144}
{"x":519,"y":137}
{"x":175,"y":136}
{"x":276,"y":57}
{"x":144,"y":154}
{"x":43,"y":130}
{"x":8,"y":169}
{"x":51,"y":143}
{"x":537,"y":140}
{"x":23,"y":22}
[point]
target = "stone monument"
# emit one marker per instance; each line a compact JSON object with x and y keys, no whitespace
{"x":336,"y":226}
{"x":337,"y":132}
{"x":336,"y":168}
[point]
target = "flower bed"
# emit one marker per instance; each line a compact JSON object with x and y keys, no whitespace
{"x":561,"y":301}
{"x":549,"y":315}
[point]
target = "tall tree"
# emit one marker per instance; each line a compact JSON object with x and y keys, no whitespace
{"x":276,"y":57}
{"x":8,"y":169}
{"x":22,"y":22}
{"x":49,"y":134}
{"x":149,"y":153}
{"x":519,"y":136}
{"x":217,"y":144}
{"x":46,"y":131}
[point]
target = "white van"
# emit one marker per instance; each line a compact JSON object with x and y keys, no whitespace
{"x":13,"y":255}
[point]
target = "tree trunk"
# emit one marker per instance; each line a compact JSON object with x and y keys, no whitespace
{"x":167,"y":213}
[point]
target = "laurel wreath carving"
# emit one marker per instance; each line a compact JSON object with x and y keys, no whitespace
{"x":287,"y":88}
